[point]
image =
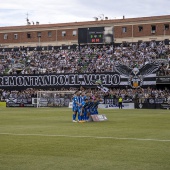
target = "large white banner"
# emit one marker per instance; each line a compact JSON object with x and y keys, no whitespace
{"x":115,"y":106}
{"x":122,"y":75}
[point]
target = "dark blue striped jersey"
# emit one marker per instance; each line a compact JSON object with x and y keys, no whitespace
{"x":90,"y":105}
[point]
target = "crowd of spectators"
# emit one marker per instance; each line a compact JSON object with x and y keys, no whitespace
{"x":86,"y":59}
{"x":140,"y":95}
{"x":89,"y":59}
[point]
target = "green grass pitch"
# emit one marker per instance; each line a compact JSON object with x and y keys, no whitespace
{"x":47,"y":139}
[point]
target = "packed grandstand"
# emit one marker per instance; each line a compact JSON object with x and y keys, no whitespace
{"x":86,"y":59}
{"x":89,"y":59}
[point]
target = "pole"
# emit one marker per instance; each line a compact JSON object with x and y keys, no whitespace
{"x":132,"y":33}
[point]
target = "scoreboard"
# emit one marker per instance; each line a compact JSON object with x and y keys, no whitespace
{"x":91,"y":35}
{"x":95,"y":37}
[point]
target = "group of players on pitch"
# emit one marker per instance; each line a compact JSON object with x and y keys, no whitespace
{"x":84,"y":105}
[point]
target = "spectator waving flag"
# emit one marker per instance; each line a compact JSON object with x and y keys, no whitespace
{"x":100,"y":86}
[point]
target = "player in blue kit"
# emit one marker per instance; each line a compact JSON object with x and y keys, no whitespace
{"x":84,"y":105}
{"x":85,"y":109}
{"x":75,"y":106}
{"x":83,"y":96}
{"x":80,"y":101}
{"x":95,"y":105}
{"x":89,"y":107}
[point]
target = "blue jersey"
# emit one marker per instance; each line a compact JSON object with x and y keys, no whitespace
{"x":90,"y":105}
{"x":83,"y":98}
{"x":85,"y":105}
{"x":96,"y":104}
{"x":75,"y":100}
{"x":80,"y":104}
{"x":80,"y":100}
{"x":95,"y":107}
{"x":75,"y":105}
{"x":85,"y":109}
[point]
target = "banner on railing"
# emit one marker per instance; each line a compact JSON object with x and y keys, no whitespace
{"x":74,"y":80}
{"x":163,"y":80}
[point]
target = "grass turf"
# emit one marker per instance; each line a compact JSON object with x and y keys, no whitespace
{"x":46,"y":138}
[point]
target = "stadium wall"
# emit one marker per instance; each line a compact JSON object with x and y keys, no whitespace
{"x":132,"y":33}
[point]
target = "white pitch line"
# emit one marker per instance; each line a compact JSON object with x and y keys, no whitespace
{"x":95,"y":137}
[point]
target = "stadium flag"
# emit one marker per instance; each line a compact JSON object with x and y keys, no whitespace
{"x":101,"y":87}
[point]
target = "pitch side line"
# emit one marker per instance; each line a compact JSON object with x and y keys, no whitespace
{"x":94,"y":137}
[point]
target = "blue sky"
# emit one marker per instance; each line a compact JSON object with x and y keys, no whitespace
{"x":14,"y":12}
